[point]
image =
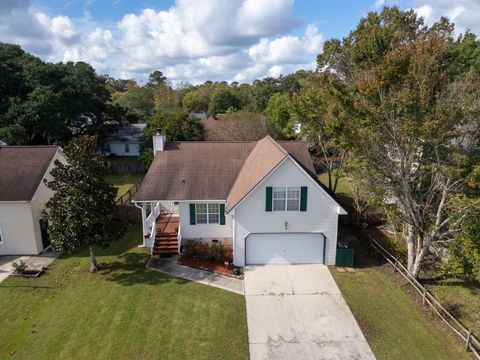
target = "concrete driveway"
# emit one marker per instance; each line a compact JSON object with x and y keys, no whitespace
{"x":298,"y":312}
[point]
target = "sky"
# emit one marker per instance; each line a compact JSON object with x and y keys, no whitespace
{"x":198,"y":40}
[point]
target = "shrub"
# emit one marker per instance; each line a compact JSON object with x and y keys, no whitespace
{"x":18,"y":267}
{"x":218,"y":253}
{"x":189,"y":249}
{"x":202,"y":250}
{"x":229,"y":256}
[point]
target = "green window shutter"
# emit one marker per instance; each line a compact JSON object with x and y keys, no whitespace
{"x":192,"y":214}
{"x":222,"y":214}
{"x":303,"y":198}
{"x":268,"y":200}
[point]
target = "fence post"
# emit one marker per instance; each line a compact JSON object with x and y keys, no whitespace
{"x":468,"y":340}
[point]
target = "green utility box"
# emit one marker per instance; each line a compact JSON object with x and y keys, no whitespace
{"x":344,"y":257}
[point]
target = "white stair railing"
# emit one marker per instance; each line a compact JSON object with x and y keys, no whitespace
{"x":179,"y":237}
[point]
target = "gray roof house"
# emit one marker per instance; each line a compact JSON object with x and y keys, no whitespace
{"x":125,"y":140}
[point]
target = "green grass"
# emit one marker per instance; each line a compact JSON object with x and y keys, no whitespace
{"x":123,"y":182}
{"x":461,"y":297}
{"x":122,"y":312}
{"x":342,"y":191}
{"x":393,"y":324}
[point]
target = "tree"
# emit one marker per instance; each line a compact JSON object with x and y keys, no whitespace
{"x":241,"y":126}
{"x":464,"y":250}
{"x":137,"y":101}
{"x":176,"y":126}
{"x":322,"y":107}
{"x":261,"y":91}
{"x":223,"y":99}
{"x":156,"y":78}
{"x":82,"y":210}
{"x":412,"y":116}
{"x":278,"y":113}
{"x":44,"y":103}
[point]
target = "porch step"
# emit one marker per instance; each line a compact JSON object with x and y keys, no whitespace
{"x":165,"y":250}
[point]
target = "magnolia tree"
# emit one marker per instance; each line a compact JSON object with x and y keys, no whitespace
{"x":414,"y":122}
{"x":82,"y":211}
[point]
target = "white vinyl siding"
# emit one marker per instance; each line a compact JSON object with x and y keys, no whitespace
{"x":321,"y":215}
{"x":202,"y":230}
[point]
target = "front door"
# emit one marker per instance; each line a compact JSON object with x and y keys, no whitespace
{"x":44,"y":232}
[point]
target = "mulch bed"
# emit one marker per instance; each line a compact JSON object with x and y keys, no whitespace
{"x":207,"y":265}
{"x":28,"y":273}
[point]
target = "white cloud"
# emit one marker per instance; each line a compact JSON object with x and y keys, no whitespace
{"x":464,"y":13}
{"x":193,"y":40}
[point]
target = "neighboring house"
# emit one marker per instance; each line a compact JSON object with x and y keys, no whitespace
{"x":260,"y":197}
{"x":125,"y":140}
{"x":23,"y":195}
{"x":3,"y":143}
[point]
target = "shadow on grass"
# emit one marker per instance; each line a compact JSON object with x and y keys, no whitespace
{"x":130,"y":270}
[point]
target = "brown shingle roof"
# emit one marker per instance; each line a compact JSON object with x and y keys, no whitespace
{"x":22,"y":168}
{"x":264,"y":157}
{"x":208,"y":170}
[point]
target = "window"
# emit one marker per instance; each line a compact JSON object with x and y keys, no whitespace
{"x":127,"y":148}
{"x":1,"y":236}
{"x":279,"y":196}
{"x":286,"y":198}
{"x":293,"y":199}
{"x":208,"y":213}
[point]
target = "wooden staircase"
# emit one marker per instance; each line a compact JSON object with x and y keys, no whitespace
{"x":166,"y":242}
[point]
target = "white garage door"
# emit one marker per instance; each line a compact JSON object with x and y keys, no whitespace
{"x":284,"y":249}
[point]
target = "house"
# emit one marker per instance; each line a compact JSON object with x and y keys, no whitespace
{"x":23,"y":195}
{"x":262,"y":198}
{"x":125,"y":140}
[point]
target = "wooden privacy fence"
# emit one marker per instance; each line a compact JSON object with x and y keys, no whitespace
{"x":128,"y":212}
{"x":126,"y":198}
{"x":472,"y":343}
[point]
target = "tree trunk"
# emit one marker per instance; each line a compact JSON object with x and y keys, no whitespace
{"x":93,"y":260}
{"x":418,"y":261}
{"x":410,"y":248}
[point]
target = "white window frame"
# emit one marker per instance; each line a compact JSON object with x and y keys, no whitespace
{"x":286,"y":189}
{"x":208,"y":213}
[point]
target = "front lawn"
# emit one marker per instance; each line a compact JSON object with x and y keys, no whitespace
{"x":122,"y":312}
{"x":395,"y":324}
{"x":123,"y":182}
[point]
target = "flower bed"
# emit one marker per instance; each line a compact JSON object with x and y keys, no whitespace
{"x":28,"y":273}
{"x":21,"y":269}
{"x":208,"y":257}
{"x":206,"y":265}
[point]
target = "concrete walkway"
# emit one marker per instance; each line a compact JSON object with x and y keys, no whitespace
{"x":33,"y":262}
{"x":298,"y":312}
{"x":169,"y":266}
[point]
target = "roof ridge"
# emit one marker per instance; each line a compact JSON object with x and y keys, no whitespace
{"x":29,"y":146}
{"x":272,"y":140}
{"x":213,"y":141}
